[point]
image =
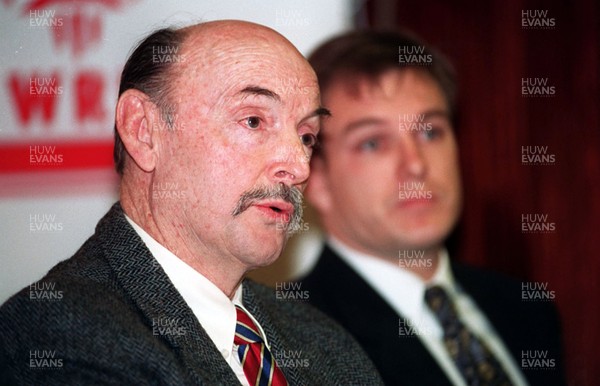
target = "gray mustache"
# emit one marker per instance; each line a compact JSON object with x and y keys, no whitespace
{"x":281,"y":191}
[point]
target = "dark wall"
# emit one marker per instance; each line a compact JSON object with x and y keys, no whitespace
{"x":492,"y":53}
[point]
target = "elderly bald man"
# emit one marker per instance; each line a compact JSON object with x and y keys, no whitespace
{"x":213,"y":156}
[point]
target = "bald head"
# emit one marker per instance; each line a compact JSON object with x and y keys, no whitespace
{"x":225,"y":33}
{"x":166,"y":58}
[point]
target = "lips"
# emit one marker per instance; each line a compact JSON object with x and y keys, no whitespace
{"x":416,"y":202}
{"x":279,"y":210}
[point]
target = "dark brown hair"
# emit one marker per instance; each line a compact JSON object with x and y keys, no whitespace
{"x":370,"y":53}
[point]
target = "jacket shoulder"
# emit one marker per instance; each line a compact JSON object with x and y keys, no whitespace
{"x":77,"y":325}
{"x":333,"y":355}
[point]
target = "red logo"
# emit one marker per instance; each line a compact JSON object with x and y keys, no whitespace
{"x":40,"y":94}
{"x":75,"y":24}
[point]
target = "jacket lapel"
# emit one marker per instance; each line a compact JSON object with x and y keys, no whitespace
{"x":150,"y":289}
{"x":398,"y":354}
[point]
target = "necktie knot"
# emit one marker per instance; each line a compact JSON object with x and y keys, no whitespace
{"x":246,"y":331}
{"x":439,"y":302}
{"x":437,"y":298}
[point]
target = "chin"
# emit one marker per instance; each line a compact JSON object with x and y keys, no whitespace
{"x":424,"y":239}
{"x":257,"y":245}
{"x":262,"y":258}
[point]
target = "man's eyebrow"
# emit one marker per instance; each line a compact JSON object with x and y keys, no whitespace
{"x":361,"y":123}
{"x":256,"y":90}
{"x":373,"y":121}
{"x":436,"y":113}
{"x":319,"y":112}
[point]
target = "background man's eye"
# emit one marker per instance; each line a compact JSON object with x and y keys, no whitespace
{"x":253,"y":122}
{"x":431,"y":134}
{"x":371,"y":144}
{"x":309,"y":140}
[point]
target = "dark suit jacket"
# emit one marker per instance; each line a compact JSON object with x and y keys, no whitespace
{"x":99,"y":326}
{"x":401,"y":358}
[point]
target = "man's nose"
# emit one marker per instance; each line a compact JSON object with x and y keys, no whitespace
{"x":291,"y":161}
{"x":412,"y":162}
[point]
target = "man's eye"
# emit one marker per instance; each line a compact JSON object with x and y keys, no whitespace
{"x":369,"y":145}
{"x":308,"y":140}
{"x":431,"y":134}
{"x":252,"y":122}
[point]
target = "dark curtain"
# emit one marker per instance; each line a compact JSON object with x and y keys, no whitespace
{"x":492,"y":53}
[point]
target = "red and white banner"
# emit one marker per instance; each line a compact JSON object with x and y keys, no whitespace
{"x":61,"y":62}
{"x":59,"y":82}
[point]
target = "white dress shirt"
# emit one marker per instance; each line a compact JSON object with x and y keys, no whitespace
{"x":213,"y":309}
{"x":404,"y":291}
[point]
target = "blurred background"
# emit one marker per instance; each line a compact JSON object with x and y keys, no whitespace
{"x":60,"y":62}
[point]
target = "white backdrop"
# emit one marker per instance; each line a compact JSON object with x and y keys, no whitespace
{"x":73,"y":52}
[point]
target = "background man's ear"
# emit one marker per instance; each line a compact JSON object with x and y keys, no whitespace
{"x":318,"y":191}
{"x":135,"y":118}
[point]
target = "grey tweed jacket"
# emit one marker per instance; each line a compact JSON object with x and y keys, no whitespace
{"x":110,"y":316}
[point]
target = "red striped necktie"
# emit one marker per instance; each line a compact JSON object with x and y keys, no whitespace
{"x":258,"y":363}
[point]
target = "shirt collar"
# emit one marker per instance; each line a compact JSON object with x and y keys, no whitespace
{"x":403,"y":290}
{"x":443,"y":275}
{"x":213,"y":309}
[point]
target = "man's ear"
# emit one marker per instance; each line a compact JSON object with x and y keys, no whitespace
{"x":135,"y":115}
{"x":318,"y":191}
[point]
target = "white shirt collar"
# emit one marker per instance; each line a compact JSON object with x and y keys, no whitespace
{"x":443,"y":275}
{"x":213,"y":309}
{"x":403,"y":290}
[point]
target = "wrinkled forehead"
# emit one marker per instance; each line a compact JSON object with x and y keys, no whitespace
{"x":222,"y":60}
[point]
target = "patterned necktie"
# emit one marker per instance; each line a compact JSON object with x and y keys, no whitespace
{"x":258,"y":363}
{"x":475,"y":362}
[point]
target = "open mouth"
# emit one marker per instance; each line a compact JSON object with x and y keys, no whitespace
{"x":282,"y":211}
